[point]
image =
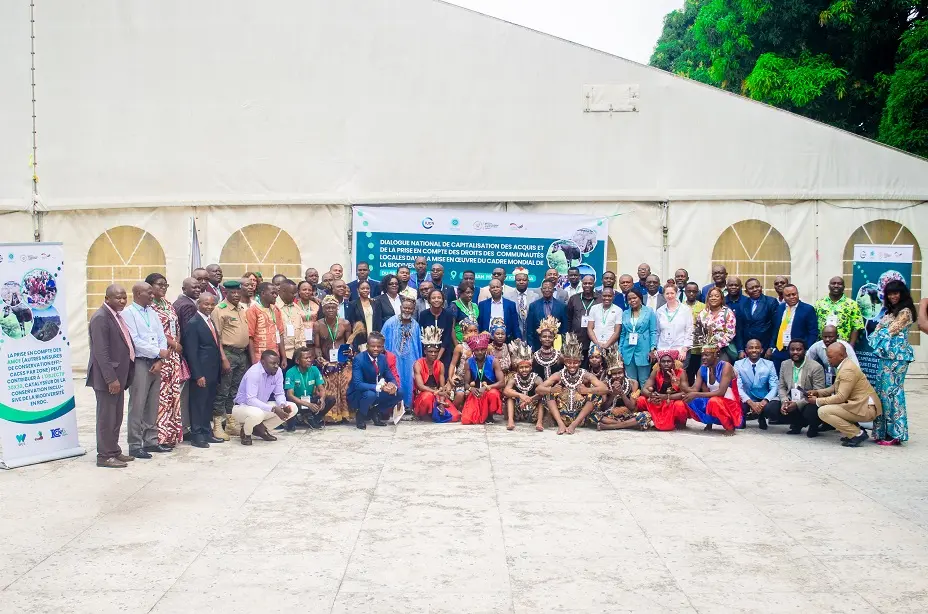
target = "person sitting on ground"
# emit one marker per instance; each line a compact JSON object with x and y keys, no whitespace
{"x":498,"y":348}
{"x":523,"y":403}
{"x":620,"y":410}
{"x":847,"y":403}
{"x":483,"y":381}
{"x":572,"y":390}
{"x":662,"y":395}
{"x":758,"y":386}
{"x":252,"y":410}
{"x":432,"y":394}
{"x":459,"y":358}
{"x":373,"y":390}
{"x":305,"y":388}
{"x":714,"y":398}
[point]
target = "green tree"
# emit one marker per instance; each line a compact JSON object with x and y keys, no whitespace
{"x":905,"y":116}
{"x":829,"y":60}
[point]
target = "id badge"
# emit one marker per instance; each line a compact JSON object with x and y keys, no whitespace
{"x":308,"y":333}
{"x":787,"y":337}
{"x":632,"y":338}
{"x":304,"y":398}
{"x":584,"y":321}
{"x":333,"y":355}
{"x":666,"y":336}
{"x":277,"y":336}
{"x":290,"y":329}
{"x":832,"y":320}
{"x":795,"y":395}
{"x":173,"y":328}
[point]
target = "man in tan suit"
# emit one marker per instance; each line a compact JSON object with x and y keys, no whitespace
{"x":850,"y":400}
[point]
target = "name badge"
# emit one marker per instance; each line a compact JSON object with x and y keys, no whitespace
{"x":152,"y":340}
{"x":277,"y":336}
{"x":333,"y":355}
{"x":584,"y":321}
{"x":795,"y":395}
{"x":173,"y":328}
{"x":308,"y":333}
{"x":632,"y":338}
{"x":665,"y":335}
{"x":787,"y":337}
{"x":290,"y":329}
{"x":305,"y":398}
{"x":832,"y":320}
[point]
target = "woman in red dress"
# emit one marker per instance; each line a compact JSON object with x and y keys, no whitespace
{"x":662,"y":395}
{"x":430,"y":397}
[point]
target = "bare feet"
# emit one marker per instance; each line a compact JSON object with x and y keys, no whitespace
{"x":728,"y":433}
{"x":539,"y":427}
{"x":510,"y":426}
{"x":572,"y":428}
{"x":561,"y":430}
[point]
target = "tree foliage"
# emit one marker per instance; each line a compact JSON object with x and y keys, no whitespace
{"x":859,"y":65}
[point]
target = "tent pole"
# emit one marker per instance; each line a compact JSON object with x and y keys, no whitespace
{"x":665,"y":238}
{"x":36,"y":226}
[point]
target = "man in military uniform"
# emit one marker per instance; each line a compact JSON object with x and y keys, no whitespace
{"x":229,"y":319}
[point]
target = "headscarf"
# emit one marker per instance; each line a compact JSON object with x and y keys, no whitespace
{"x":595,"y":349}
{"x":496,"y":324}
{"x":479,"y":342}
{"x":674,"y":355}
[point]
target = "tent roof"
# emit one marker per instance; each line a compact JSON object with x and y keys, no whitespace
{"x":364,"y":101}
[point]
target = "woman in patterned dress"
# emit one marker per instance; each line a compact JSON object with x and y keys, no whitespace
{"x":890,"y":341}
{"x":173,"y":370}
{"x":717,"y":321}
{"x":498,"y":347}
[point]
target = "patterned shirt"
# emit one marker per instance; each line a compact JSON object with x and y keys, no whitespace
{"x":844,"y":314}
{"x":265,"y":328}
{"x":294,"y":326}
{"x":721,"y":326}
{"x":696,"y":308}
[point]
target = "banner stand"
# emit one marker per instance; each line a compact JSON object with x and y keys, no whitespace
{"x":38,"y":421}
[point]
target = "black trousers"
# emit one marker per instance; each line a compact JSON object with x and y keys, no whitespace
{"x":806,"y":415}
{"x":771,"y":411}
{"x":201,"y":408}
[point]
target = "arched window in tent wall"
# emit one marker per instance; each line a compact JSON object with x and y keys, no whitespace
{"x":261,"y":247}
{"x":122,"y":255}
{"x":612,"y":259}
{"x":885,"y":232}
{"x":753,"y":248}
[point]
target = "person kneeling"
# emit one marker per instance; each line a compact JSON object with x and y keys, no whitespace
{"x":847,"y":402}
{"x":305,"y":388}
{"x":523,"y":403}
{"x":373,"y":388}
{"x":252,"y":409}
{"x":662,"y":396}
{"x":575,"y":392}
{"x":483,"y":380}
{"x":714,"y":397}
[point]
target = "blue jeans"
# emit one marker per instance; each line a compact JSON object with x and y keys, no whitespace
{"x":638,"y":373}
{"x":372,"y":401}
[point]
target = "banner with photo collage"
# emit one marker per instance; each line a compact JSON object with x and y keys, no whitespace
{"x":874,"y":267}
{"x":478,"y":240}
{"x":37,"y":417}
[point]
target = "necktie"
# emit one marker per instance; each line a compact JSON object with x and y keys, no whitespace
{"x":787,"y":313}
{"x":376,"y":369}
{"x":754,"y":367}
{"x":125,"y":334}
{"x":212,"y":329}
{"x":547,"y":308}
{"x":522,"y":311}
{"x":753,"y":307}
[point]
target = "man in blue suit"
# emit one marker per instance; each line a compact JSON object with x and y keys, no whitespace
{"x":498,"y":307}
{"x":757,"y":315}
{"x":547,"y":305}
{"x":735,"y":301}
{"x":793,"y":320}
{"x":202,"y":351}
{"x":365,"y":393}
{"x":364,"y":274}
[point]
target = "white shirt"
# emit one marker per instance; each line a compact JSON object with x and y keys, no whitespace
{"x":817,"y":353}
{"x":674,"y":329}
{"x":396,"y":302}
{"x":496,"y":309}
{"x":651,"y":300}
{"x":604,"y":323}
{"x":145,"y":330}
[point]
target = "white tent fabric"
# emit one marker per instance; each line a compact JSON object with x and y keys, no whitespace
{"x":374,"y":101}
{"x":15,"y":111}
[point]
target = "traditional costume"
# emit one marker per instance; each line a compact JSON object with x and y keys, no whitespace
{"x":666,"y":415}
{"x":402,"y":339}
{"x":546,"y":364}
{"x":337,"y":375}
{"x":478,"y":409}
{"x":501,"y":354}
{"x":521,"y":353}
{"x":569,"y":400}
{"x":427,"y":404}
{"x":725,"y":410}
{"x":616,"y":409}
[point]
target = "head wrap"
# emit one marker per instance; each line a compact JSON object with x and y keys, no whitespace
{"x":674,"y":355}
{"x":330,"y":300}
{"x":479,"y":342}
{"x":467,"y":323}
{"x":520,"y":352}
{"x":496,"y":324}
{"x":595,"y":349}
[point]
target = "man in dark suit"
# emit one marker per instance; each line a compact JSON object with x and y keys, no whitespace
{"x":364,"y":273}
{"x":498,"y":307}
{"x":365,"y":393}
{"x":757,"y":314}
{"x":109,"y":373}
{"x":438,"y":277}
{"x":387,"y":304}
{"x":186,"y":308}
{"x":201,"y":349}
{"x":793,"y":320}
{"x":546,"y":306}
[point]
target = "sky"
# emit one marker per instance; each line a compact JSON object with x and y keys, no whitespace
{"x":627,"y":28}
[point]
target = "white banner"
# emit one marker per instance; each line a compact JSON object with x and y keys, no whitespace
{"x":37,"y":417}
{"x":479,"y":240}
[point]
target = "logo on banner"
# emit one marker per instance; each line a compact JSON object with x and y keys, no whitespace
{"x":39,"y":437}
{"x":514,"y":226}
{"x":428,"y":223}
{"x":455,"y":224}
{"x":21,"y":439}
{"x":56,"y":433}
{"x":485,"y":225}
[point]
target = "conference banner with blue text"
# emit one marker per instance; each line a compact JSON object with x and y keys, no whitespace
{"x":478,"y":240}
{"x":37,"y":418}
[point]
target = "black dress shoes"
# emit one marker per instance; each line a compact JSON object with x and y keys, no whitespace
{"x":854,"y":442}
{"x":139,"y":454}
{"x":211,"y":439}
{"x":378,"y":421}
{"x":361,"y":423}
{"x":199,"y":443}
{"x":157,"y":449}
{"x":762,"y":422}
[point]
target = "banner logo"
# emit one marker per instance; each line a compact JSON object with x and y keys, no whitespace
{"x":428,"y":223}
{"x":485,"y":225}
{"x":39,"y":436}
{"x":59,"y":432}
{"x":21,"y":439}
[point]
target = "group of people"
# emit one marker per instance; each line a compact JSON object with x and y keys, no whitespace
{"x":243,"y":357}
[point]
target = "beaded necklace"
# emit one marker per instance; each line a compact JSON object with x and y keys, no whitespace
{"x":525,"y":386}
{"x":545,"y":363}
{"x":572,"y":385}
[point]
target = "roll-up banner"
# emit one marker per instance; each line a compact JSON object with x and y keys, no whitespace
{"x":476,"y":240}
{"x":37,"y":415}
{"x":874,"y":267}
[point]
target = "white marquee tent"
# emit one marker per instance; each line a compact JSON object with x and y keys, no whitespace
{"x":265,"y":121}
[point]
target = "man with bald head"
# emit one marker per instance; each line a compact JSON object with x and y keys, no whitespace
{"x":186,"y":303}
{"x":719,"y":277}
{"x":202,"y":349}
{"x":839,"y":311}
{"x":109,"y":372}
{"x":779,"y":284}
{"x":644,"y":269}
{"x":202,"y":277}
{"x":497,"y":308}
{"x":819,"y":349}
{"x":626,"y":283}
{"x":151,"y":347}
{"x":214,"y":281}
{"x":849,"y":401}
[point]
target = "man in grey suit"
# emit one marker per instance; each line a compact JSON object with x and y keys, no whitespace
{"x":797,"y":377}
{"x":109,"y":372}
{"x":522,"y":297}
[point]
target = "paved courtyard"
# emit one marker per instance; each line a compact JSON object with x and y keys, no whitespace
{"x":440,"y":518}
